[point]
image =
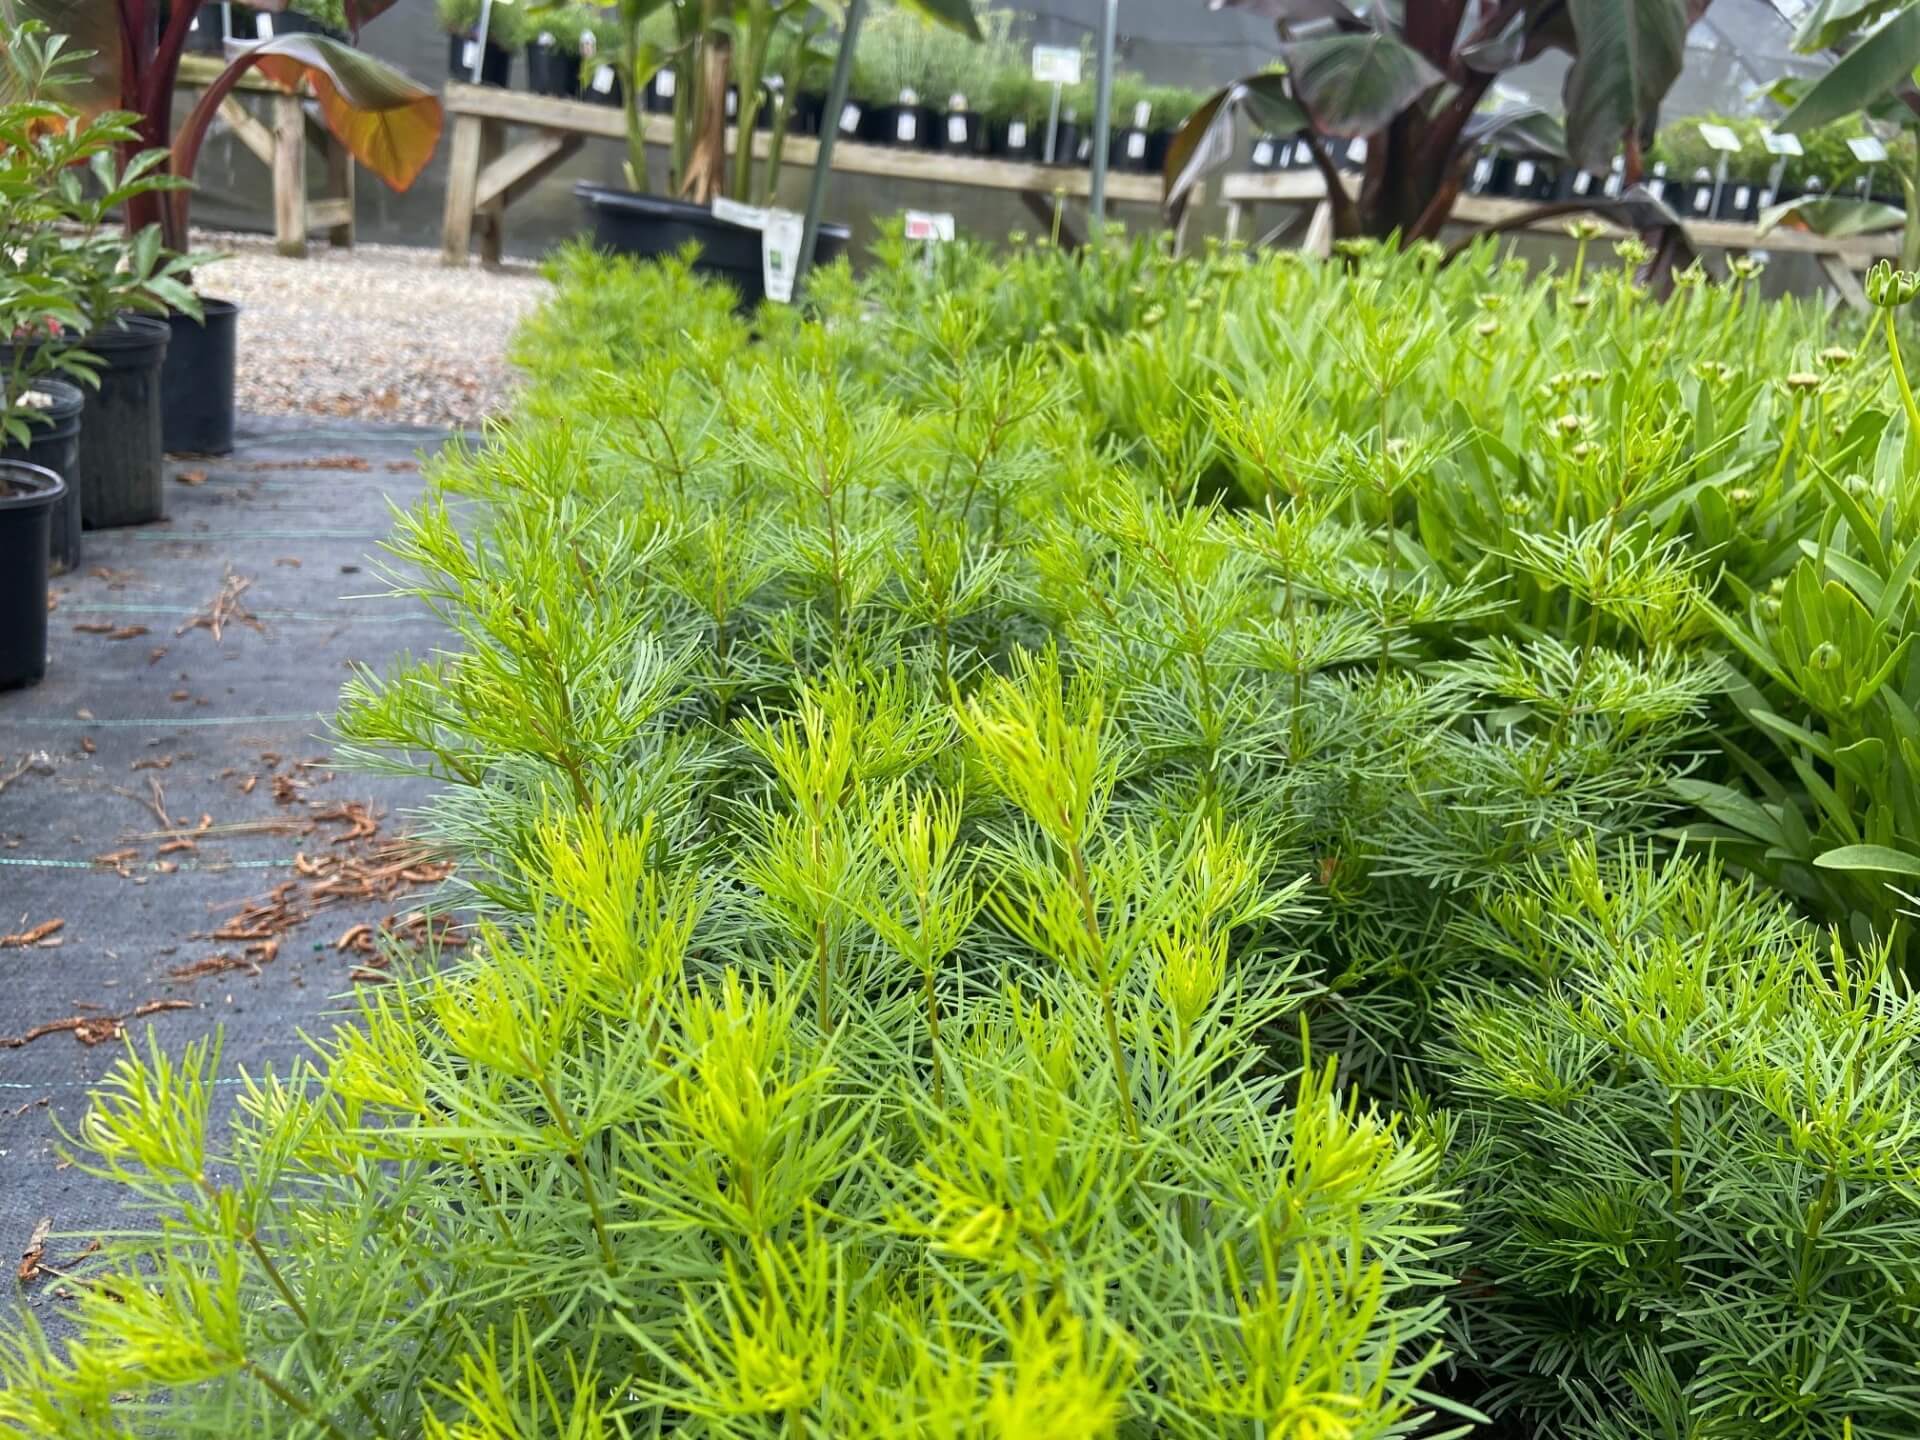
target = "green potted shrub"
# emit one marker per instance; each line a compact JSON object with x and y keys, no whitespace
{"x":477,"y":61}
{"x":894,"y":79}
{"x":553,"y":50}
{"x":67,"y":268}
{"x":1015,"y":105}
{"x":716,"y":52}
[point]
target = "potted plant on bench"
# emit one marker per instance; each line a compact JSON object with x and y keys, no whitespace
{"x":718,"y":47}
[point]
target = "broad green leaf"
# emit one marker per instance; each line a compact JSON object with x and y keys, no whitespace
{"x":1832,"y":215}
{"x":1830,"y":22}
{"x":1881,"y":858}
{"x":1204,"y":141}
{"x":1865,"y":73}
{"x":954,"y":14}
{"x":390,"y":123}
{"x":1356,"y":84}
{"x":1629,"y":54}
{"x":1525,"y":129}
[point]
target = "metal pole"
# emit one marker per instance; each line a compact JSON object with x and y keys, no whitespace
{"x":480,"y":39}
{"x":829,"y":132}
{"x":1053,"y":123}
{"x":1103,"y":118}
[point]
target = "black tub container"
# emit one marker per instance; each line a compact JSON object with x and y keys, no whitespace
{"x":496,"y":65}
{"x":909,"y":127}
{"x":28,"y":494}
{"x":196,"y":383}
{"x":601,"y":85}
{"x":961,"y":132}
{"x":55,"y":446}
{"x":627,"y":223}
{"x":122,"y":457}
{"x":1016,"y":139}
{"x":552,"y":71}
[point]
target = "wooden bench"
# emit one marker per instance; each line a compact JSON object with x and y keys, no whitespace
{"x":1839,"y":257}
{"x":280,"y":143}
{"x":485,"y":175}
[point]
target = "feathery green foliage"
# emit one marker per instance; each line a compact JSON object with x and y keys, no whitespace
{"x":981,"y":797}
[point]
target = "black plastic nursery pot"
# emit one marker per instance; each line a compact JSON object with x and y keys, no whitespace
{"x":657,"y":98}
{"x":601,"y":86}
{"x":853,"y":119}
{"x":627,"y":223}
{"x":1131,"y":150}
{"x":1270,"y":152}
{"x":28,"y":494}
{"x":1533,"y":178}
{"x":292,"y":22}
{"x":552,"y":71}
{"x":122,"y":455}
{"x":807,"y":110}
{"x":1067,"y":142}
{"x":55,"y":446}
{"x":1490,"y":174}
{"x":496,"y":65}
{"x":962,"y":132}
{"x":911,"y":127}
{"x":1739,"y":200}
{"x":1016,"y":139}
{"x":196,"y":382}
{"x":205,"y":37}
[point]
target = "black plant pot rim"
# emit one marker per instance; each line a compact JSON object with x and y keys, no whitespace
{"x":42,"y":485}
{"x":127,"y":332}
{"x":660,"y":207}
{"x":210,"y":306}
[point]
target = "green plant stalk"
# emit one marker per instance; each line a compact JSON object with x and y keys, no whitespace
{"x":1900,"y":373}
{"x":578,"y":1156}
{"x":1090,"y":918}
{"x":749,"y":70}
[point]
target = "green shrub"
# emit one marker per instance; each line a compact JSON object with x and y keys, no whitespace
{"x":507,"y":25}
{"x":1688,"y":1162}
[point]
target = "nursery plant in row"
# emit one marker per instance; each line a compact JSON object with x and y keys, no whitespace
{"x":1096,"y":846}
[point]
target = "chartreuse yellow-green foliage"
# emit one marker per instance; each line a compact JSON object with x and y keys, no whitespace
{"x":1101,"y":846}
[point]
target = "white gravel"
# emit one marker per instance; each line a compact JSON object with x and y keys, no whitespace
{"x":378,"y":332}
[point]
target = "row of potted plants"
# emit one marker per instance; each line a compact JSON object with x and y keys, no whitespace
{"x":112,"y":356}
{"x":1688,"y":183}
{"x":914,"y":85}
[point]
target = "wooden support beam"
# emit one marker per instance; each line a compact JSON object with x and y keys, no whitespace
{"x":330,"y":214}
{"x":1845,"y":281}
{"x":509,"y":175}
{"x":490,"y":219}
{"x":248,"y":131}
{"x":340,"y":191}
{"x":289,"y":175}
{"x":463,"y":184}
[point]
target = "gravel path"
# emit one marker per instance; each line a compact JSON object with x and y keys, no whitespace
{"x":379,"y":332}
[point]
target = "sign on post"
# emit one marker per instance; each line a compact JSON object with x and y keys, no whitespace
{"x":1056,"y":64}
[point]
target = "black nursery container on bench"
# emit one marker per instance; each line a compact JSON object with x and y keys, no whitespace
{"x":463,"y":51}
{"x":628,"y":223}
{"x":196,"y":382}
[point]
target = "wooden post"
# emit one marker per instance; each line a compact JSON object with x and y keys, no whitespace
{"x":289,"y":175}
{"x":340,"y":172}
{"x":1319,"y":241}
{"x":491,"y":221}
{"x":463,"y":183}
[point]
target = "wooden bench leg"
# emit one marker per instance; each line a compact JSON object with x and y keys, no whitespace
{"x":491,"y":222}
{"x":463,"y":183}
{"x":1319,"y":241}
{"x":1233,"y":221}
{"x":1845,"y":281}
{"x":340,"y":171}
{"x":289,"y":176}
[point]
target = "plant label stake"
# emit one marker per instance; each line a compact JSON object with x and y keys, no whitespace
{"x":478,"y":45}
{"x":781,"y":232}
{"x":1868,"y":150}
{"x":931,"y":228}
{"x":1058,"y":66}
{"x":1723,"y":140}
{"x":1785,"y":147}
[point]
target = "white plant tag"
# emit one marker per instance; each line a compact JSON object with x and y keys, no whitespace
{"x":1263,"y":152}
{"x":1779,"y":144}
{"x":665,"y":84}
{"x":849,"y":118}
{"x":1867,"y":150}
{"x":1017,"y":134}
{"x":544,"y":39}
{"x":1056,"y":64}
{"x":956,"y":129}
{"x":469,"y":52}
{"x":780,"y":253}
{"x":1741,"y":195}
{"x":1719,"y":137}
{"x":1524,"y":172}
{"x":906,"y":128}
{"x":1357,"y":151}
{"x":1482,"y":171}
{"x":930,"y":226}
{"x":603,"y":80}
{"x":1583,"y":182}
{"x":1136,"y":144}
{"x":1142,"y":114}
{"x":263,"y":27}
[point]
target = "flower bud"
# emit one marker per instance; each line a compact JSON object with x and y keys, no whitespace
{"x":1825,"y":656}
{"x":1889,"y":288}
